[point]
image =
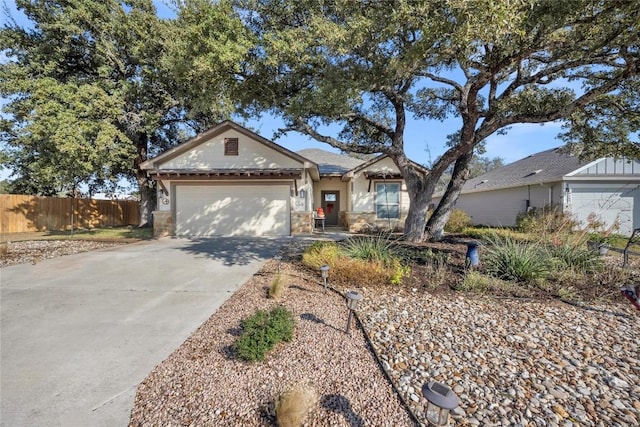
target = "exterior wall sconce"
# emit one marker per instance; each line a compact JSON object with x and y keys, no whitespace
{"x":352,"y":303}
{"x":324,"y":271}
{"x":440,"y":401}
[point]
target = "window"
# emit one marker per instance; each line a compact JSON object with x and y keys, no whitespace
{"x":231,"y":146}
{"x":388,"y":200}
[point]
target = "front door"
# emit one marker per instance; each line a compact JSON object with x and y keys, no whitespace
{"x":331,"y":206}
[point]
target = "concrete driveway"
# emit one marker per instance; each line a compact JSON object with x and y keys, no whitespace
{"x":80,"y":332}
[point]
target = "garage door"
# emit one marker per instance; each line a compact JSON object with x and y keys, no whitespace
{"x":232,"y":210}
{"x":609,"y":205}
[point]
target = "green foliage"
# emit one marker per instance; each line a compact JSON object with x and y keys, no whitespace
{"x":262,"y":331}
{"x":508,"y":259}
{"x":491,"y":233}
{"x":575,"y":258}
{"x":321,"y":253}
{"x":458,"y":221}
{"x":376,"y":249}
{"x":474,"y":281}
{"x":365,"y":260}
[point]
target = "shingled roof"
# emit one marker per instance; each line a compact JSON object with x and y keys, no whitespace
{"x":330,"y":164}
{"x":546,"y":166}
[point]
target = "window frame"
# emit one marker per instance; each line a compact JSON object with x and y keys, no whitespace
{"x":385,"y":202}
{"x":231,"y":146}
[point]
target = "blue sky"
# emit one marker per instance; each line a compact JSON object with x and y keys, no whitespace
{"x":424,"y":140}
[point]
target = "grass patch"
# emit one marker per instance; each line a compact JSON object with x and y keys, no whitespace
{"x":293,"y":405}
{"x":262,"y":331}
{"x":321,"y":253}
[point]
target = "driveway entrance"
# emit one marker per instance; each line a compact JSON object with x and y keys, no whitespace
{"x":80,"y":332}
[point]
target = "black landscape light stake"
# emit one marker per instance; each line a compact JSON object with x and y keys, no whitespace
{"x":440,"y":401}
{"x":324,"y":271}
{"x":278,"y":258}
{"x":352,"y":303}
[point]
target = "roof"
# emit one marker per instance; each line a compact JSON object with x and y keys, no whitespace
{"x":546,"y":166}
{"x":329,"y":163}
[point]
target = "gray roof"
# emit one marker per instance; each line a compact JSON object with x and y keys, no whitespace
{"x":330,"y":163}
{"x":546,"y":166}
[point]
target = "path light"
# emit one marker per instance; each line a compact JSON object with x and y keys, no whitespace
{"x":352,"y":303}
{"x":278,"y":258}
{"x":324,"y":270}
{"x":440,"y":401}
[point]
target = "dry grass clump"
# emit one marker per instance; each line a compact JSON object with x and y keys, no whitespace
{"x":293,"y":405}
{"x":278,"y":285}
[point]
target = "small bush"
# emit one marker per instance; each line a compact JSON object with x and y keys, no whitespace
{"x":376,"y":249}
{"x":510,"y":260}
{"x":489,"y":234}
{"x":262,"y":331}
{"x":276,"y":290}
{"x":458,"y":221}
{"x":545,"y":221}
{"x":576,"y":258}
{"x":321,"y":253}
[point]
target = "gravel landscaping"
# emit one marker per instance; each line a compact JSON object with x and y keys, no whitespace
{"x":513,"y":362}
{"x":34,"y":251}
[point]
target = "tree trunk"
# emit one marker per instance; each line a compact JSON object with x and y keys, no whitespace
{"x":437,"y":221}
{"x":420,"y":190}
{"x":145,"y":187}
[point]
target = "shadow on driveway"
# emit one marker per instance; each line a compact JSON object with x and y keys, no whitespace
{"x":234,"y":250}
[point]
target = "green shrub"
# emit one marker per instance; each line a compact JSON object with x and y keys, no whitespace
{"x":458,"y":221}
{"x":376,"y":249}
{"x":576,"y":258}
{"x":491,"y":233}
{"x":262,"y":331}
{"x":508,"y":259}
{"x":321,"y":253}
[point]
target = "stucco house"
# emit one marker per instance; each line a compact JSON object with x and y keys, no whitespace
{"x":607,"y":189}
{"x":230,"y":181}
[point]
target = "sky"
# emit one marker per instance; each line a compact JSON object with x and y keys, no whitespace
{"x":424,"y":140}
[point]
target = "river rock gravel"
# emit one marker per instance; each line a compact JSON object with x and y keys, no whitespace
{"x":512,"y":362}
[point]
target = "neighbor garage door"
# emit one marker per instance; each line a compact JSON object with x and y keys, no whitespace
{"x":232,"y":210}
{"x":608,"y":203}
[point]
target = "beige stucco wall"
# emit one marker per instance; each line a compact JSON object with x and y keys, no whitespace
{"x":210,"y":155}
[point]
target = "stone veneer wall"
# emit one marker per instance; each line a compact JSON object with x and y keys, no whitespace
{"x":301,"y":223}
{"x":162,"y":224}
{"x":356,"y":221}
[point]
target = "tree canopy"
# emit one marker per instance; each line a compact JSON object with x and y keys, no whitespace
{"x":366,"y":66}
{"x":96,"y":86}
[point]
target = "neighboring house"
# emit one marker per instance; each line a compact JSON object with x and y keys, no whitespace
{"x":605,"y":189}
{"x":231,"y":181}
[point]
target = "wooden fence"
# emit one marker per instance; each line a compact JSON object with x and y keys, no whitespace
{"x":19,"y":214}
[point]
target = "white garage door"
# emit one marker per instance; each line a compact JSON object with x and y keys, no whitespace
{"x":609,"y":205}
{"x":232,"y":210}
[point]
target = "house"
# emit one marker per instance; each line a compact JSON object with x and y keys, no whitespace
{"x":230,"y":181}
{"x":605,"y":189}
